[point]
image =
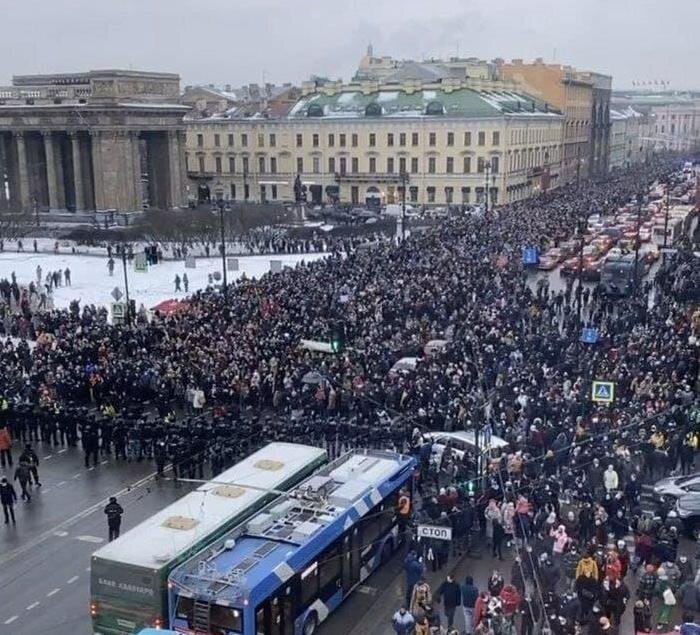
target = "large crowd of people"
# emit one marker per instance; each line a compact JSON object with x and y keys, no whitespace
{"x":207,"y":384}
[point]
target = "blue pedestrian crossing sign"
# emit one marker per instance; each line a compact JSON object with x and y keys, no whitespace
{"x":603,"y":391}
{"x":531,"y":255}
{"x":589,"y":335}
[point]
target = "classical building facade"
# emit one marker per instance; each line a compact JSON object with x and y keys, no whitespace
{"x":572,"y":93}
{"x":599,"y":146}
{"x":94,"y":141}
{"x":445,"y":142}
{"x":673,"y":118}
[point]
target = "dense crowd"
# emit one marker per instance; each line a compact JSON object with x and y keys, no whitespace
{"x":209,"y":383}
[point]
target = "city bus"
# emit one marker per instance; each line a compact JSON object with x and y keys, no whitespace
{"x":128,"y":577}
{"x":286,"y":569}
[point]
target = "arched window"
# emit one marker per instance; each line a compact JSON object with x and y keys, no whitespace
{"x":435,"y":108}
{"x":373,"y":109}
{"x":314,"y":110}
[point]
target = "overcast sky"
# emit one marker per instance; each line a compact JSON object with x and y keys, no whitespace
{"x":239,"y":41}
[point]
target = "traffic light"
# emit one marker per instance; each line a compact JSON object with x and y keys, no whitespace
{"x":338,"y":336}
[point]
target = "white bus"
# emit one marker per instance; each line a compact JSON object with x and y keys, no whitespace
{"x":128,"y":579}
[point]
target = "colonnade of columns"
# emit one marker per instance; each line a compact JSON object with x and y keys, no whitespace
{"x":79,"y":170}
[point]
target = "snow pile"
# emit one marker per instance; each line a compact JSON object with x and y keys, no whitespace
{"x":92,"y":284}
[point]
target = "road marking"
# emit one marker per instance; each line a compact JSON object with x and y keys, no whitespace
{"x":61,"y":483}
{"x":63,"y":450}
{"x":104,"y":462}
{"x":95,"y":539}
{"x":12,"y":619}
{"x":73,"y":579}
{"x":90,"y":469}
{"x":48,"y":456}
{"x":50,"y":593}
{"x":32,"y":544}
{"x":367,"y":590}
{"x":60,"y":534}
{"x":87,"y":569}
{"x":76,"y":475}
{"x":33,"y":605}
{"x":44,"y":490}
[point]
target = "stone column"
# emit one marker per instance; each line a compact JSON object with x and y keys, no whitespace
{"x":22,"y":171}
{"x":98,"y":176}
{"x":175,"y":198}
{"x":78,"y":184}
{"x":50,"y":170}
{"x":136,"y":166}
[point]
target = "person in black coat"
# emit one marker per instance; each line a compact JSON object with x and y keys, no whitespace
{"x":114,"y":512}
{"x":8,"y":497}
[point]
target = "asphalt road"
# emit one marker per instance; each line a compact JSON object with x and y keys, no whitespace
{"x":45,"y":559}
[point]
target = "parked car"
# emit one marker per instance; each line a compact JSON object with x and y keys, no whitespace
{"x":461,"y":442}
{"x":676,"y":486}
{"x":591,"y":269}
{"x":688,"y":510}
{"x":550,"y":259}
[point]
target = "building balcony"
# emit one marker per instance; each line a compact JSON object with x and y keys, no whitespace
{"x":368,"y":177}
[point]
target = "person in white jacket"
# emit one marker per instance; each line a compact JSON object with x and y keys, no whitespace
{"x":610,"y":479}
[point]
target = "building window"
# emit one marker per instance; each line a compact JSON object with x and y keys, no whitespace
{"x":372,"y":140}
{"x":200,"y":140}
{"x":261,"y":164}
{"x":431,"y":194}
{"x":342,"y":140}
{"x":467,"y":138}
{"x":354,"y":194}
{"x":414,"y":139}
{"x":355,"y":165}
{"x":245,"y":165}
{"x":372,"y":165}
{"x":314,"y":140}
{"x":390,"y":139}
{"x":480,"y":165}
{"x":201,"y":163}
{"x":300,"y":140}
{"x":449,"y":194}
{"x":431,"y":165}
{"x":390,"y":165}
{"x":413,"y":193}
{"x":450,"y":138}
{"x":450,"y":165}
{"x":273,"y":144}
{"x":466,"y":191}
{"x":353,"y":140}
{"x":230,"y":140}
{"x":316,"y":165}
{"x":300,"y":165}
{"x":273,"y":165}
{"x":482,"y":138}
{"x":187,"y":162}
{"x":217,"y":140}
{"x":494,"y":164}
{"x":493,"y":196}
{"x":343,"y":165}
{"x":495,"y":138}
{"x":414,"y":165}
{"x":402,"y":165}
{"x":331,"y":165}
{"x":232,"y":164}
{"x":261,"y":140}
{"x":233,"y":191}
{"x":467,"y":165}
{"x":432,"y":139}
{"x":331,"y":140}
{"x":402,"y":139}
{"x":244,"y":140}
{"x":274,"y":191}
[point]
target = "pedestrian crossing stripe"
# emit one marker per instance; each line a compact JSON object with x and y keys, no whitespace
{"x":603,"y":391}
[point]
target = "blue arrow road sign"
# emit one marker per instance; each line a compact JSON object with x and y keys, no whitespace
{"x":603,"y":391}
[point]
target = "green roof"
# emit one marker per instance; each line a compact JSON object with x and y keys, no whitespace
{"x":459,"y":103}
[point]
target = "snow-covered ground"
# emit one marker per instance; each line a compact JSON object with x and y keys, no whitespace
{"x":92,"y":284}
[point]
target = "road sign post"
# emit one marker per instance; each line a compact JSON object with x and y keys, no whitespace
{"x":437,"y":532}
{"x":603,"y":391}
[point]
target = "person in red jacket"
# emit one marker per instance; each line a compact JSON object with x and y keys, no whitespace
{"x":480,"y":607}
{"x":5,"y":447}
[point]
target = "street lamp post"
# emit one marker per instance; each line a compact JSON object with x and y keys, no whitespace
{"x":640,"y":198}
{"x":668,"y":206}
{"x":487,"y":172}
{"x":126,"y":287}
{"x":222,"y":205}
{"x":404,"y":183}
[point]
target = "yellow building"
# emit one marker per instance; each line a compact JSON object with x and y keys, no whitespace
{"x":571,"y":93}
{"x":446,"y":142}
